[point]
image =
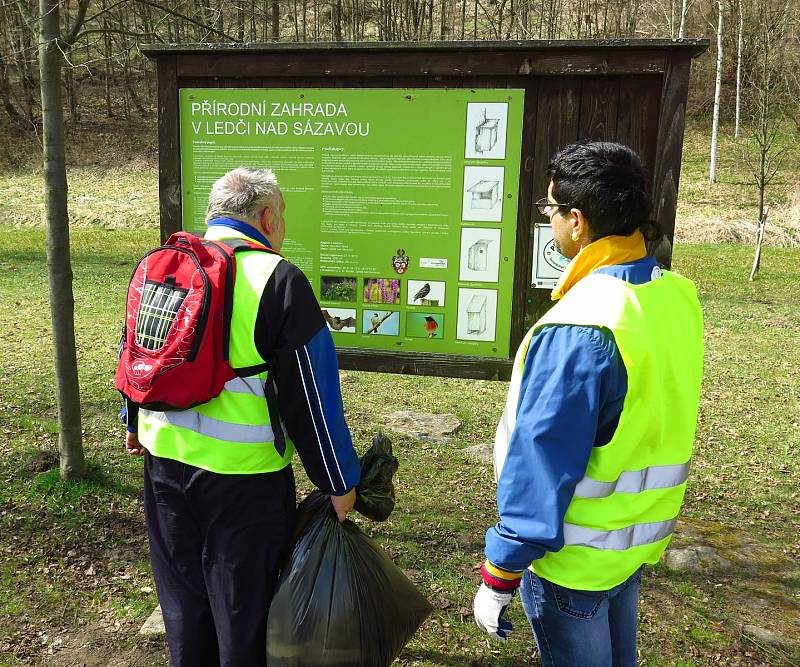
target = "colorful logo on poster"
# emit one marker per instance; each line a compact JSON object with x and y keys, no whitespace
{"x":400,"y":261}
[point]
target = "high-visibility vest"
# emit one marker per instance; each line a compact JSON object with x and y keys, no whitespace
{"x":624,"y":510}
{"x":232,"y":433}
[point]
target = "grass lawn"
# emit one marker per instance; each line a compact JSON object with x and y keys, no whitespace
{"x":74,"y":573}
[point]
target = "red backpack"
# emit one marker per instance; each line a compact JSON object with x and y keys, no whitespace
{"x":174,"y":350}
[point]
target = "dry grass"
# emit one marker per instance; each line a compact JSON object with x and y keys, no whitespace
{"x":695,"y":224}
{"x":727,"y":211}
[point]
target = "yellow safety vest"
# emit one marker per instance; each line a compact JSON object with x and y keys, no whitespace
{"x":624,"y":510}
{"x":232,"y":433}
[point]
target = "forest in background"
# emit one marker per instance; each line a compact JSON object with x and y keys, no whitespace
{"x":106,"y":76}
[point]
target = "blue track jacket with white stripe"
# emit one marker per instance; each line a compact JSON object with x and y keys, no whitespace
{"x":292,"y":336}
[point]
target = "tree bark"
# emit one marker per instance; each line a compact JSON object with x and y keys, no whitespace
{"x":276,"y":20}
{"x":62,"y":303}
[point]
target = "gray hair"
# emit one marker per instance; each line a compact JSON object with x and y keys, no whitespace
{"x":243,"y":193}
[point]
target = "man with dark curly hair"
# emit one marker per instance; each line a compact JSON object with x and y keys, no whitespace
{"x":592,"y":452}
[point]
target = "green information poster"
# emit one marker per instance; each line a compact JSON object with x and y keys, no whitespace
{"x":401,"y":205}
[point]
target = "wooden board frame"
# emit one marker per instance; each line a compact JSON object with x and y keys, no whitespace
{"x":633,"y":91}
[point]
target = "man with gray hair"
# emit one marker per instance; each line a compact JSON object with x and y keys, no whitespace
{"x":219,"y":487}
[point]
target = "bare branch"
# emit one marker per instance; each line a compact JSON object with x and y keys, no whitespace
{"x":191,"y":20}
{"x":105,"y":11}
{"x":120,"y":31}
{"x":29,"y":19}
{"x":69,"y":39}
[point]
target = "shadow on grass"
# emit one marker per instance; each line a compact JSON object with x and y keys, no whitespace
{"x":118,"y":261}
{"x":97,"y":481}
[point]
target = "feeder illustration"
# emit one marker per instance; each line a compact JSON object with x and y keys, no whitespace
{"x":476,"y":315}
{"x":478,"y":254}
{"x":485,"y":194}
{"x":486,"y":134}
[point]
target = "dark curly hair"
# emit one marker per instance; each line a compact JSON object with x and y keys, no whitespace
{"x":607,"y":183}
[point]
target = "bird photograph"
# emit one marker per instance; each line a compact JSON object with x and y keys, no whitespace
{"x":423,"y":292}
{"x":337,"y":322}
{"x":384,"y":323}
{"x":431,"y":326}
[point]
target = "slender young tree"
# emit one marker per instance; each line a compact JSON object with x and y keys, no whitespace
{"x":52,"y":46}
{"x":739,"y":49}
{"x":717,"y":92}
{"x":768,"y":87}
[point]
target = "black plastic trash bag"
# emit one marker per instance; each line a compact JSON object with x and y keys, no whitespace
{"x":340,"y":602}
{"x":375,"y":491}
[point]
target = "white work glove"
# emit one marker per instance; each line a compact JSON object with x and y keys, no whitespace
{"x":489,"y":607}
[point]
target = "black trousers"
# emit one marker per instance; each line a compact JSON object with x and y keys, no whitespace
{"x":216,"y":543}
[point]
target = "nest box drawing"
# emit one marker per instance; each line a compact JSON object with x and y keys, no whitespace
{"x":476,"y":315}
{"x":486,"y":134}
{"x":477,"y":255}
{"x":485,"y":194}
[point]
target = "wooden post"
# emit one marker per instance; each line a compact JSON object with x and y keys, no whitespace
{"x":169,"y":154}
{"x":762,"y":224}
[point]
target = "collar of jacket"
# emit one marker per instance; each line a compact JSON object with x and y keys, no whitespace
{"x":606,"y":251}
{"x":241,"y":227}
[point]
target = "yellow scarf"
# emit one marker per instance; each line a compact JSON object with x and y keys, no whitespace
{"x":606,"y":251}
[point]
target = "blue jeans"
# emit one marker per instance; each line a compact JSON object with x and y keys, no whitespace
{"x":582,"y":628}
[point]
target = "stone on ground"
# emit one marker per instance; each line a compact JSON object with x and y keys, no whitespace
{"x":154,"y":625}
{"x":423,"y":425}
{"x":761,"y":636}
{"x":484,"y":452}
{"x":695,"y":559}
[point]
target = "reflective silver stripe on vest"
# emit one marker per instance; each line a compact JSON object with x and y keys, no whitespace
{"x":634,"y":481}
{"x":617,"y":540}
{"x":254,"y":386}
{"x":213,"y":428}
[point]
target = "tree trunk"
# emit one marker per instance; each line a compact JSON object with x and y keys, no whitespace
{"x":276,"y":20}
{"x":717,"y":90}
{"x":62,"y":304}
{"x":6,"y":99}
{"x":739,"y":48}
{"x":108,"y":70}
{"x":762,"y":225}
{"x":684,"y":10}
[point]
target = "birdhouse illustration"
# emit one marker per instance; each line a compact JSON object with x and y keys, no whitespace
{"x":476,"y":314}
{"x":486,"y":134}
{"x":477,"y":255}
{"x":485,"y":194}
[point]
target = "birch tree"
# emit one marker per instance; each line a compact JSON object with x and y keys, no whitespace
{"x":717,"y":92}
{"x":739,"y":49}
{"x":684,"y":11}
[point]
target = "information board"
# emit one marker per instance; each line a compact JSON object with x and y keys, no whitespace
{"x":401,"y":204}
